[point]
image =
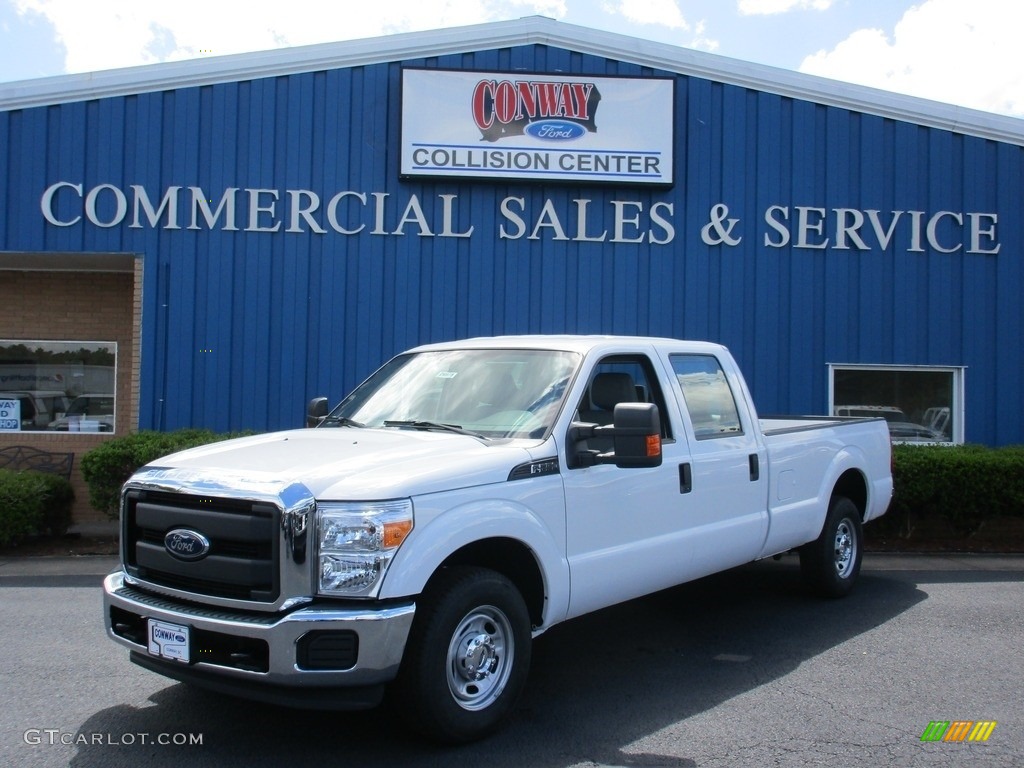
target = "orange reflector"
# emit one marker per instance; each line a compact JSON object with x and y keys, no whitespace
{"x":395,"y":533}
{"x":654,"y":445}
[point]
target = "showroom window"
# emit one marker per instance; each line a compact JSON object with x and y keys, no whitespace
{"x":57,"y":386}
{"x":921,"y":404}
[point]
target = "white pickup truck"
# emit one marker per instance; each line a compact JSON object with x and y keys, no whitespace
{"x":464,"y":499}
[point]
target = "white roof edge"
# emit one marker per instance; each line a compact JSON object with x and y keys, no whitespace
{"x":526,"y":31}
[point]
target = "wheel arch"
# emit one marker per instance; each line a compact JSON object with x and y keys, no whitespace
{"x":853,"y":486}
{"x":512,"y":559}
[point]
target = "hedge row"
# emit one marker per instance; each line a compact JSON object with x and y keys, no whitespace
{"x":33,"y":503}
{"x":952,"y":490}
{"x":106,"y":467}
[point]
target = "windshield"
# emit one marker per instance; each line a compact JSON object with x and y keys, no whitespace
{"x":489,"y":392}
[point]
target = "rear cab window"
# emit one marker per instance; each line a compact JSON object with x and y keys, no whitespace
{"x":707,"y":397}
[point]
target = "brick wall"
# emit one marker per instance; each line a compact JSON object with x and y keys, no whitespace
{"x":78,"y":306}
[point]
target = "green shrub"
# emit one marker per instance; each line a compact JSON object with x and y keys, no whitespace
{"x":953,"y":488}
{"x":106,"y":467}
{"x":33,"y":503}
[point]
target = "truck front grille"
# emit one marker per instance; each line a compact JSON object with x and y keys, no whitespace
{"x":241,"y":562}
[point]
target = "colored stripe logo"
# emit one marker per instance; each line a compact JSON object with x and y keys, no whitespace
{"x":958,"y":730}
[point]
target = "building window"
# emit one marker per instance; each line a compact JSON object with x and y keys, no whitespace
{"x":57,"y":386}
{"x":921,"y":404}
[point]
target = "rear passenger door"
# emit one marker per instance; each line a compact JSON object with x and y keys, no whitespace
{"x":726,"y":481}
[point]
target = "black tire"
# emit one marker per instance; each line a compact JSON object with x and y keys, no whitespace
{"x":830,"y":564}
{"x":467,"y":657}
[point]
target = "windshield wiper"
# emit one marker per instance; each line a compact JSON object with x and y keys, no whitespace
{"x":420,"y":424}
{"x":342,"y":421}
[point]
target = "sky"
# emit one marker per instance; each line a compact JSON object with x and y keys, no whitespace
{"x":962,"y":52}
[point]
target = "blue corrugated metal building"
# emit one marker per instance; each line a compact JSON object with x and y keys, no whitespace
{"x":853,"y":248}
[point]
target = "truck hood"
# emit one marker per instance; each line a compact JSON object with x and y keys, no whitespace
{"x":344,"y":463}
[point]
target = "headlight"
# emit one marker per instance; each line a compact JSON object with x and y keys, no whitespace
{"x":356,"y":542}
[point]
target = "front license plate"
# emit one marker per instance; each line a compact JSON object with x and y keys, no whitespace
{"x":169,"y":641}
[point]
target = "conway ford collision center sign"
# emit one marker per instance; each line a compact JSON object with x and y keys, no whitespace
{"x":528,"y":126}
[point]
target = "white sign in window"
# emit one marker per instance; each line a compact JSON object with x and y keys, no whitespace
{"x":10,"y":415}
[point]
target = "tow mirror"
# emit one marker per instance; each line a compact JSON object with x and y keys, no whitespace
{"x":637,"y":435}
{"x":316,"y":411}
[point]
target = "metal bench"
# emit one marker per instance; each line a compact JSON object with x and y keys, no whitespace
{"x":26,"y":457}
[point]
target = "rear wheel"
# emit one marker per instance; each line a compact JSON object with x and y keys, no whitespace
{"x":467,"y":657}
{"x":830,"y":564}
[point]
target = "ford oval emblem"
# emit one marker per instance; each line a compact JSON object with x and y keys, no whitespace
{"x":186,"y":545}
{"x":555,"y":130}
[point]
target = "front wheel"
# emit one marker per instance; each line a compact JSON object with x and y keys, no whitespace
{"x":467,"y":657}
{"x":831,"y":563}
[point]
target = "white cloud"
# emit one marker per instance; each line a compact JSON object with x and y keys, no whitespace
{"x":664,"y":13}
{"x":771,"y":7}
{"x":964,"y":52}
{"x":106,"y":34}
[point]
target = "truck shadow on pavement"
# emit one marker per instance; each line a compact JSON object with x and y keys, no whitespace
{"x":598,"y":684}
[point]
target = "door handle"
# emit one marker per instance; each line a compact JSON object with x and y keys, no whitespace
{"x":685,"y":478}
{"x":755,"y":468}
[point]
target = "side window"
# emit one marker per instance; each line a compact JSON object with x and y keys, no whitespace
{"x":622,"y":379}
{"x":707,"y":395}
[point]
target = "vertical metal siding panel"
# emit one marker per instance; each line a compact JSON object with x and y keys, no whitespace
{"x":254,"y":135}
{"x":765,"y":294}
{"x":328,"y":351}
{"x":383,"y":142}
{"x":215,"y":252}
{"x":767,"y":182}
{"x":766,"y":355}
{"x":28,"y":130}
{"x":145,"y":145}
{"x":739,"y":170}
{"x":18,"y":155}
{"x":754,"y":162}
{"x":799,"y":276}
{"x":944,"y":193}
{"x":8,"y":192}
{"x":866,"y":264}
{"x":350,"y":290}
{"x":134,"y":122}
{"x":294,"y":164}
{"x":664,"y":294}
{"x":186,"y":315}
{"x":314,"y":294}
{"x":769,"y":295}
{"x":273,"y":169}
{"x":704,"y":124}
{"x":912,"y":166}
{"x":877,"y":264}
{"x":840,"y":273}
{"x":65,"y":162}
{"x":976,"y":281}
{"x":1008,"y":395}
{"x":219,"y":172}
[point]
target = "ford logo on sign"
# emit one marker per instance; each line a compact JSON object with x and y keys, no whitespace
{"x":186,"y":545}
{"x":555,"y":130}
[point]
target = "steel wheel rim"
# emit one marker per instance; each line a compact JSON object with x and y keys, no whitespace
{"x":845,"y":547}
{"x":480,"y":657}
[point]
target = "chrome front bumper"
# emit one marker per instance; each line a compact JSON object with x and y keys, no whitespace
{"x":266,"y":654}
